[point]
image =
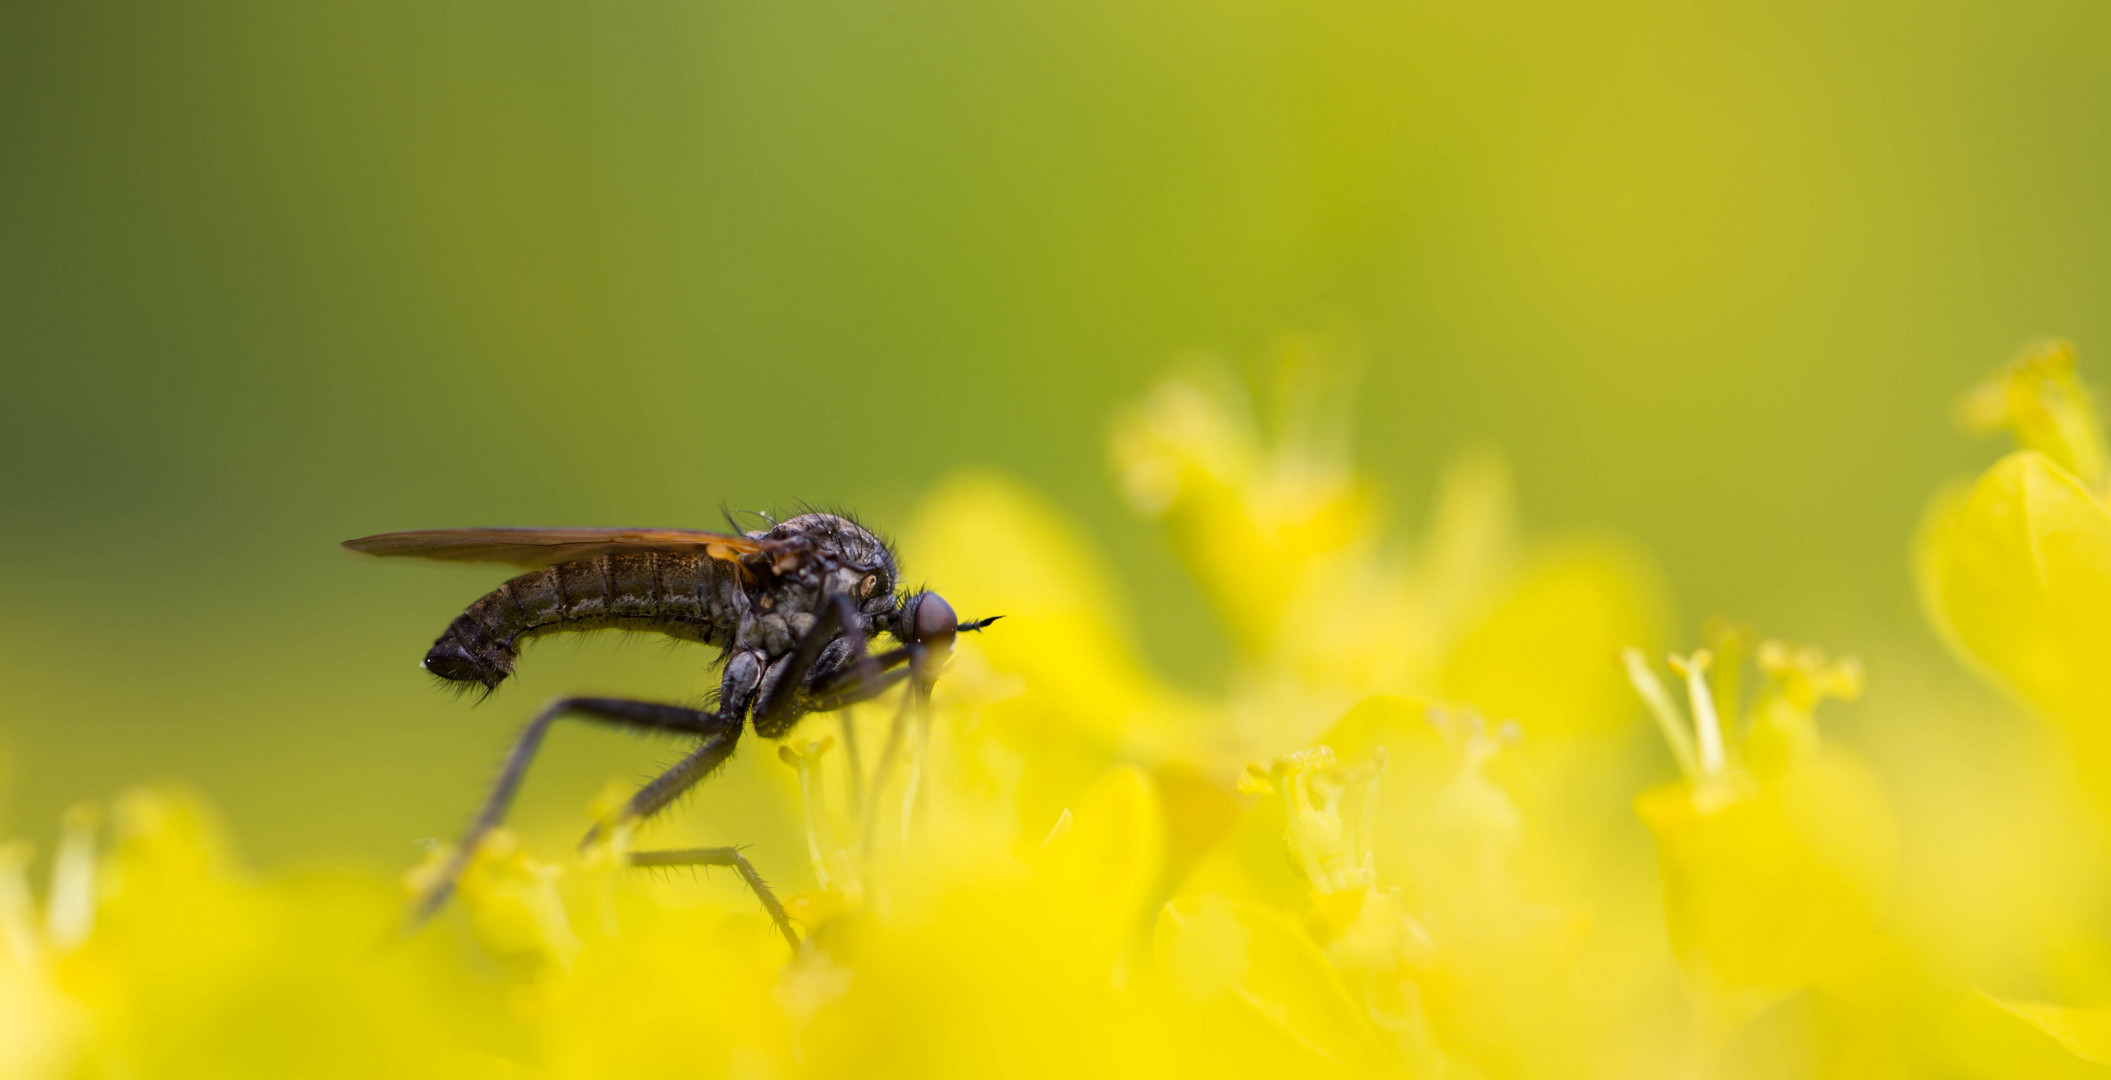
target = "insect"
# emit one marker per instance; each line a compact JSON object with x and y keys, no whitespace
{"x":791,"y":609}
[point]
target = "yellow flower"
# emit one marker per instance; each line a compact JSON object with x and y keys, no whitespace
{"x":44,"y":1029}
{"x":2016,"y":569}
{"x":159,"y":956}
{"x":1287,"y":539}
{"x":1053,"y":871}
{"x":2015,"y":572}
{"x":1067,"y":866}
{"x":2040,"y":400}
{"x":1776,"y":850}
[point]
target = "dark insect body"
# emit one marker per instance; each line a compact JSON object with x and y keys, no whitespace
{"x":682,"y":595}
{"x":792,"y":609}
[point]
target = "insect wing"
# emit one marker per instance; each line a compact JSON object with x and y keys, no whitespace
{"x":548,"y":547}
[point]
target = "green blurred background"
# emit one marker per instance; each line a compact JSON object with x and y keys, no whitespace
{"x":273,"y":275}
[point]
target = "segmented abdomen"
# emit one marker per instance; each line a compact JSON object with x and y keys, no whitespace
{"x":688,"y":596}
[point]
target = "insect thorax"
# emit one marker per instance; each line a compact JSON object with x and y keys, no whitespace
{"x":817,"y":556}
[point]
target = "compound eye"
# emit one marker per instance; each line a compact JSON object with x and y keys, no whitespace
{"x":934,"y":621}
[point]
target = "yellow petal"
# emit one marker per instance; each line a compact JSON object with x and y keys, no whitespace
{"x":1259,"y":964}
{"x":1989,"y":1037}
{"x":1066,"y":643}
{"x":2018,"y":572}
{"x":1098,"y":876}
{"x":1235,"y":499}
{"x":1775,"y":886}
{"x":2086,"y":1033}
{"x":1548,"y":653}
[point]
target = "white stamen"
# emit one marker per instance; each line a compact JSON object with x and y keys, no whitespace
{"x":1298,"y":811}
{"x":1062,"y":825}
{"x":1695,"y":669}
{"x":913,"y":784}
{"x":897,"y":734}
{"x":1367,"y":818}
{"x":72,"y":912}
{"x":820,"y":842}
{"x":853,"y":765}
{"x":18,"y":910}
{"x":547,"y":909}
{"x":1669,"y":720}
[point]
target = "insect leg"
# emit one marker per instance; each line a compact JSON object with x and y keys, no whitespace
{"x":849,"y":685}
{"x":669,"y":785}
{"x":724,"y":856}
{"x":780,"y":703}
{"x":619,"y":712}
{"x":914,"y":702}
{"x":843,"y":693}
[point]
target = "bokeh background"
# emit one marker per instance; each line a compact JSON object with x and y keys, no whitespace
{"x":276,"y":275}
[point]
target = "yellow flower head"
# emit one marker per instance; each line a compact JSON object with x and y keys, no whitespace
{"x":1776,"y":851}
{"x":1285,"y":536}
{"x":1284,"y":504}
{"x":2040,"y":400}
{"x":2015,"y":569}
{"x":1062,"y":864}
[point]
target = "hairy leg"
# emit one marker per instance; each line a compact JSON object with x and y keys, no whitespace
{"x":725,"y":856}
{"x":669,"y":786}
{"x":617,"y":712}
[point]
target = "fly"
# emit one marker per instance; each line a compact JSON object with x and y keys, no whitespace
{"x":792,"y":610}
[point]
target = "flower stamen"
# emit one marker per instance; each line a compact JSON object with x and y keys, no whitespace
{"x":1056,"y":831}
{"x":18,"y":908}
{"x":2041,"y":401}
{"x":1670,"y":721}
{"x":1804,"y":677}
{"x":1706,"y":723}
{"x":1329,"y":812}
{"x":1362,"y":840}
{"x":805,"y":759}
{"x":71,"y":914}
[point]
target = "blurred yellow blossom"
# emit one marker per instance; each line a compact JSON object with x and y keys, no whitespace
{"x":2015,"y":571}
{"x":1288,"y":541}
{"x":2016,"y":568}
{"x":2039,"y":399}
{"x":1422,"y":831}
{"x":1776,"y":850}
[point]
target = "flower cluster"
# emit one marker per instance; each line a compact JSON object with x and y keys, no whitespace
{"x":1424,"y":830}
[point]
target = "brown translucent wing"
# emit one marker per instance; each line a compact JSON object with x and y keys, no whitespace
{"x":548,"y":547}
